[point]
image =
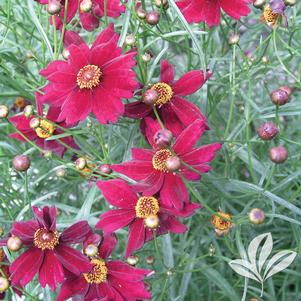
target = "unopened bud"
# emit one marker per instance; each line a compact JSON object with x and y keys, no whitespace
{"x":290,"y":2}
{"x":141,"y":13}
{"x":259,"y":3}
{"x":3,"y":111}
{"x":105,"y":169}
{"x":4,"y":284}
{"x":256,"y":216}
{"x":173,"y":163}
{"x":278,"y":154}
{"x":152,"y":18}
{"x":146,"y":57}
{"x":34,"y":123}
{"x":162,"y":138}
{"x":28,"y":110}
{"x":279,"y":97}
{"x":267,"y":131}
{"x":65,"y":53}
{"x":61,"y":172}
{"x":287,"y":89}
{"x":132,"y":260}
{"x":80,"y":163}
{"x":152,"y":221}
{"x":47,"y":154}
{"x":21,"y":163}
{"x":233,"y":39}
{"x":54,"y":7}
{"x":265,"y":59}
{"x":150,"y":97}
{"x":91,"y":250}
{"x":130,"y":40}
{"x":85,"y":6}
{"x":161,"y":3}
{"x":150,"y":259}
{"x":14,"y":243}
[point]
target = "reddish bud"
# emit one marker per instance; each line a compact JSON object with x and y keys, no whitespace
{"x":152,"y":18}
{"x":3,"y":111}
{"x":141,"y":13}
{"x":279,"y":97}
{"x":54,"y":7}
{"x":278,"y":154}
{"x":267,"y":131}
{"x":287,"y":89}
{"x":14,"y":243}
{"x":150,"y":259}
{"x":105,"y":169}
{"x":150,"y":97}
{"x":173,"y":163}
{"x":4,"y":284}
{"x":256,"y":216}
{"x":162,"y":138}
{"x":21,"y":163}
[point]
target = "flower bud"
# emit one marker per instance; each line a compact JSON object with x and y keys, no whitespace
{"x":256,"y":216}
{"x":173,"y":163}
{"x":279,"y":97}
{"x":278,"y":154}
{"x":14,"y":243}
{"x":130,"y":40}
{"x":290,"y":2}
{"x":28,"y":110}
{"x":91,"y":250}
{"x":105,"y":169}
{"x":65,"y":53}
{"x":80,"y":163}
{"x":21,"y":163}
{"x":169,"y":273}
{"x":132,"y":260}
{"x":61,"y":172}
{"x":233,"y":38}
{"x":267,"y":131}
{"x":85,"y":6}
{"x":265,"y":59}
{"x":34,"y":123}
{"x":4,"y":284}
{"x":146,"y":57}
{"x":150,"y":259}
{"x":162,"y":138}
{"x":141,"y":13}
{"x":212,"y":250}
{"x":287,"y":89}
{"x":253,"y":299}
{"x":3,"y":111}
{"x":161,"y":3}
{"x":54,"y":7}
{"x":152,"y":221}
{"x":47,"y":154}
{"x":152,"y":18}
{"x":259,"y":3}
{"x":150,"y":97}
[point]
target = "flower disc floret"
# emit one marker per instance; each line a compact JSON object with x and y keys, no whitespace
{"x":160,"y":158}
{"x":147,"y":206}
{"x":88,"y":77}
{"x":165,"y":93}
{"x":98,"y":274}
{"x":45,"y":239}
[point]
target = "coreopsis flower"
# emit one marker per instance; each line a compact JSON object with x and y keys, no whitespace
{"x":19,"y":104}
{"x":44,"y":129}
{"x":160,"y":170}
{"x":273,"y":11}
{"x":92,"y":80}
{"x":143,"y":214}
{"x":110,"y":280}
{"x":48,"y":251}
{"x":222,"y":222}
{"x":210,"y":11}
{"x":89,"y":11}
{"x":175,"y":112}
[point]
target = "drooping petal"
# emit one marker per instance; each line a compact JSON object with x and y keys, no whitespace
{"x":152,"y":127}
{"x":136,"y":237}
{"x":75,"y":233}
{"x":167,"y":72}
{"x":46,"y":217}
{"x":88,"y":20}
{"x":107,"y":246}
{"x":137,"y":110}
{"x":25,"y":231}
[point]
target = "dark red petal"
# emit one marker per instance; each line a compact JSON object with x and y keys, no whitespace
{"x":25,"y":231}
{"x":152,"y":184}
{"x":171,"y":119}
{"x":118,"y":193}
{"x":76,"y":233}
{"x":142,"y":154}
{"x":24,"y":268}
{"x":152,"y":127}
{"x":189,"y":137}
{"x":72,"y":260}
{"x":46,"y":217}
{"x":107,"y":246}
{"x":167,"y":72}
{"x":188,"y":210}
{"x":236,"y":8}
{"x":137,"y":110}
{"x":175,"y":226}
{"x":72,"y":37}
{"x":89,"y":21}
{"x":51,"y":271}
{"x":79,"y":55}
{"x":105,"y":36}
{"x":136,"y":237}
{"x":103,"y":54}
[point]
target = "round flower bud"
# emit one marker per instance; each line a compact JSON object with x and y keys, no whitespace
{"x":47,"y":154}
{"x":91,"y":250}
{"x":28,"y":110}
{"x":233,"y":38}
{"x":279,"y":97}
{"x":173,"y":163}
{"x":61,"y":172}
{"x":34,"y":123}
{"x":253,"y":299}
{"x":152,"y":221}
{"x":278,"y":154}
{"x":150,"y":259}
{"x":265,"y":59}
{"x":162,"y":138}
{"x":21,"y":163}
{"x":152,"y":18}
{"x":80,"y":163}
{"x":14,"y":243}
{"x":161,"y":3}
{"x":141,"y":13}
{"x":256,"y":216}
{"x":85,"y":6}
{"x":267,"y":131}
{"x":105,"y":169}
{"x":54,"y":7}
{"x":150,"y":97}
{"x":146,"y":57}
{"x":65,"y":53}
{"x":3,"y":111}
{"x":169,"y":273}
{"x":132,"y":260}
{"x":290,"y":2}
{"x":287,"y":89}
{"x":259,"y":3}
{"x":4,"y":284}
{"x":130,"y":40}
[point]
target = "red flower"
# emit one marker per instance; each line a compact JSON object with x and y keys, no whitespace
{"x":148,"y":167}
{"x":209,"y":11}
{"x":44,"y":130}
{"x":176,"y":112}
{"x":142,"y":214}
{"x":48,"y":252}
{"x":90,"y":19}
{"x":110,"y":280}
{"x":93,"y":80}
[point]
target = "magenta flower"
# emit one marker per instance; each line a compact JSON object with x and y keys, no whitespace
{"x":89,"y":19}
{"x":149,"y":166}
{"x":210,"y":11}
{"x":175,"y":112}
{"x":48,"y":251}
{"x":110,"y":280}
{"x":92,"y":80}
{"x":142,"y":214}
{"x":44,"y":130}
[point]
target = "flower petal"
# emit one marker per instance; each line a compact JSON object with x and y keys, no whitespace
{"x":25,"y":231}
{"x":136,"y":237}
{"x":76,"y":233}
{"x":167,"y":72}
{"x":107,"y":246}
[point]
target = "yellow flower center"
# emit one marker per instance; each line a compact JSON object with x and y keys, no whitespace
{"x":20,"y":102}
{"x":88,"y":77}
{"x":147,"y":206}
{"x":160,"y":158}
{"x":45,"y":129}
{"x":165,"y":93}
{"x":269,"y":17}
{"x":44,"y":239}
{"x":99,"y":272}
{"x":221,"y":221}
